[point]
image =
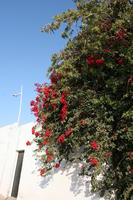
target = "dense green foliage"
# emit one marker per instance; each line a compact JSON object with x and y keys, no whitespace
{"x":86,"y":112}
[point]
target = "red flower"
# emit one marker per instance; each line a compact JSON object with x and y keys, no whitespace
{"x":132,"y":171}
{"x":62,"y":100}
{"x":76,"y":37}
{"x":68,"y":132}
{"x":45,"y":142}
{"x":47,"y":133}
{"x":38,"y":120}
{"x":107,"y":25}
{"x":47,"y":152}
{"x":55,"y":77}
{"x":33,"y":130}
{"x":35,"y":109}
{"x":37,"y":98}
{"x":121,"y":33}
{"x":93,"y":161}
{"x":94,"y":145}
{"x":99,"y":61}
{"x":91,"y":60}
{"x":53,"y":105}
{"x":121,"y":60}
{"x":32,"y":103}
{"x":63,"y":113}
{"x":60,"y":139}
{"x":107,"y":50}
{"x":127,"y":43}
{"x":54,"y":95}
{"x":28,"y":143}
{"x":57,"y":165}
{"x":47,"y":92}
{"x":37,"y":134}
{"x":81,"y":122}
{"x":107,"y":154}
{"x":44,"y":118}
{"x":42,"y":171}
{"x":50,"y":157}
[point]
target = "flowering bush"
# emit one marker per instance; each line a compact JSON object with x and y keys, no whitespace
{"x":87,"y":109}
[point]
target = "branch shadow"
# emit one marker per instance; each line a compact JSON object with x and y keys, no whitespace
{"x":78,"y":183}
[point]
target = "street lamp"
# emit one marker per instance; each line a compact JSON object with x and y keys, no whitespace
{"x":20,"y":104}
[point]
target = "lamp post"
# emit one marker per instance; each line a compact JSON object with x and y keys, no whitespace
{"x":20,"y":104}
{"x":17,"y":136}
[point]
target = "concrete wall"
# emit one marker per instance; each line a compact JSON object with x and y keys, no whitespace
{"x":61,"y":184}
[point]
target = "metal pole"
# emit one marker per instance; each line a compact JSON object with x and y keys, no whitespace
{"x":18,"y":136}
{"x":20,"y":106}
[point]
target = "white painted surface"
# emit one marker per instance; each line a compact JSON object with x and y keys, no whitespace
{"x":62,"y":184}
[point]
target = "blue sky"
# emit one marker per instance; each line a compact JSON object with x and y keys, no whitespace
{"x":25,"y":52}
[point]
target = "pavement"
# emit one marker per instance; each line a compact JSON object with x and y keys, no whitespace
{"x":7,"y":198}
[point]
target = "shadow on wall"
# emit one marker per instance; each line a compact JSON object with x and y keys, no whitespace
{"x":70,"y":177}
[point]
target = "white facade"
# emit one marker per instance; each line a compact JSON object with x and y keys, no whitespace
{"x":62,"y":184}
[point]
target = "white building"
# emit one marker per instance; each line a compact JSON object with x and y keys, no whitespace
{"x":19,"y":175}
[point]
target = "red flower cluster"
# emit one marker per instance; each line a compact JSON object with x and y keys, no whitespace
{"x":44,"y":118}
{"x":47,"y":91}
{"x":36,"y":134}
{"x":45,"y":142}
{"x":55,"y":77}
{"x":28,"y":143}
{"x":57,"y":165}
{"x":120,"y":34}
{"x":107,"y":25}
{"x":121,"y":60}
{"x":33,"y":130}
{"x":99,"y":61}
{"x":50,"y":157}
{"x":38,"y":87}
{"x":64,"y":107}
{"x":61,"y":139}
{"x":47,"y":152}
{"x":107,"y":154}
{"x":81,"y":122}
{"x":94,"y":145}
{"x":42,"y":171}
{"x":32,"y":103}
{"x":92,"y":60}
{"x":54,"y":95}
{"x":35,"y":109}
{"x":68,"y":132}
{"x":93,"y":161}
{"x":47,"y":133}
{"x":107,"y":50}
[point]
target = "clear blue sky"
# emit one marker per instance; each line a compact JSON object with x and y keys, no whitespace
{"x":25,"y":52}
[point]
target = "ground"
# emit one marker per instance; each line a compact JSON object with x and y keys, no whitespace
{"x":8,"y":198}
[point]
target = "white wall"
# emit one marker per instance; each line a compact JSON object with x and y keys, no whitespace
{"x":8,"y":142}
{"x":61,"y":184}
